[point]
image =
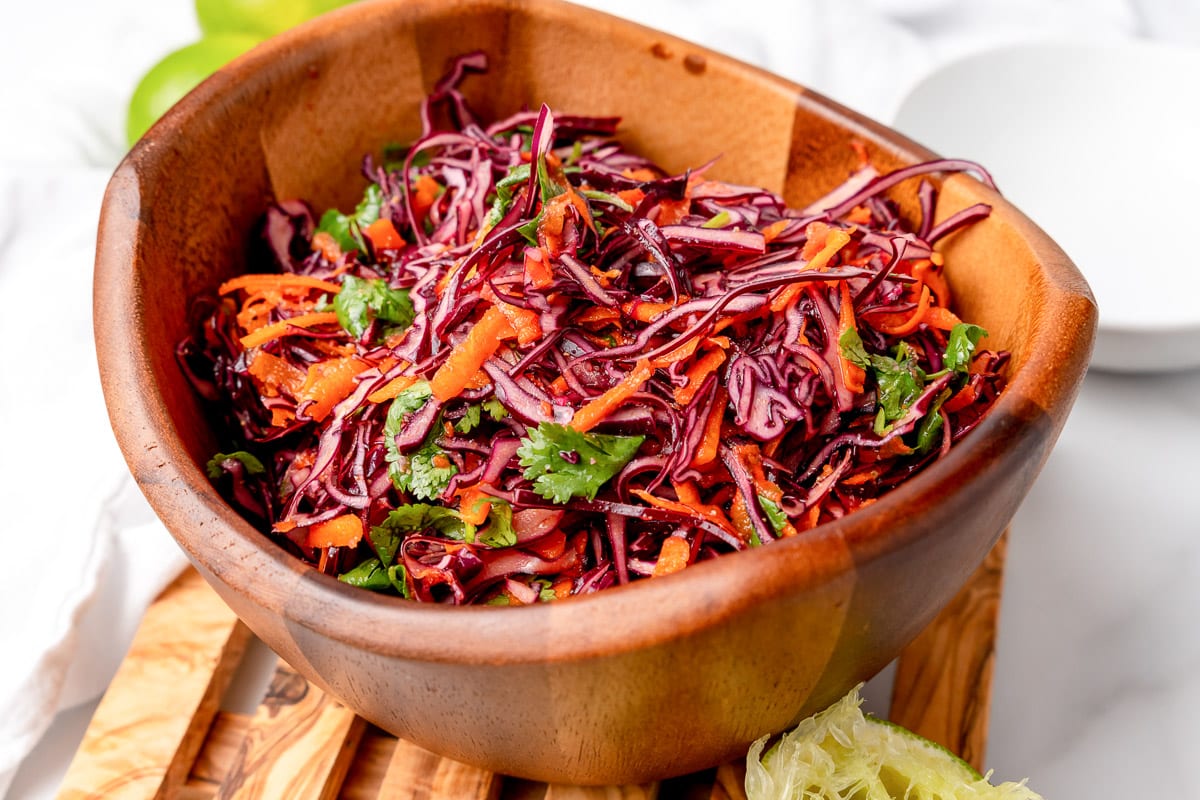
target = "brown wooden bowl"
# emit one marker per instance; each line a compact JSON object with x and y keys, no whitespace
{"x":654,"y":679}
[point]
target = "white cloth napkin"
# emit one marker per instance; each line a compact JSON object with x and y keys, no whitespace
{"x":85,"y":553}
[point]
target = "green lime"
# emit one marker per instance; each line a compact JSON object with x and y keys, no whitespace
{"x":258,"y":17}
{"x":842,"y":754}
{"x":176,"y":75}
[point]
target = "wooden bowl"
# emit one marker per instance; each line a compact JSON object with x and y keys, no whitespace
{"x":654,"y":679}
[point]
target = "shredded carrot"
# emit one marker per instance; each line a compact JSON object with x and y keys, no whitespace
{"x":424,"y":195}
{"x":598,"y":315}
{"x":526,"y":322}
{"x":706,"y":453}
{"x":815,"y":235}
{"x":832,"y":240}
{"x":927,"y":272}
{"x":596,"y":410}
{"x":859,"y":215}
{"x":772,"y":231}
{"x":474,"y":505}
{"x":328,"y":383}
{"x":941,"y":318}
{"x":811,"y":518}
{"x":277,"y":330}
{"x":680,"y":353}
{"x":893,"y":448}
{"x":343,"y":531}
{"x":537,"y":268}
{"x":643,"y":311}
{"x":676,"y":553}
{"x":905,"y":327}
{"x":860,"y":478}
{"x":852,"y":374}
{"x":383,"y":234}
{"x":692,"y":507}
{"x":696,"y":373}
{"x":740,"y":515}
{"x":276,"y":373}
{"x":327,"y":246}
{"x":962,"y":399}
{"x":559,"y":385}
{"x":633,"y":197}
{"x":257,"y":283}
{"x":465,"y":360}
{"x":391,"y":389}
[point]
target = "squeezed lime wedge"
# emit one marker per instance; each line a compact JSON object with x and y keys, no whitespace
{"x":843,"y":754}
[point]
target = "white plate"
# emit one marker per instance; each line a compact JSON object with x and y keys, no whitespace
{"x":1100,"y":145}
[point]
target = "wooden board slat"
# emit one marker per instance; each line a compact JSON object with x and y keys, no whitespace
{"x":943,"y":684}
{"x":159,"y":719}
{"x":299,"y":744}
{"x":152,"y":721}
{"x":414,"y":773}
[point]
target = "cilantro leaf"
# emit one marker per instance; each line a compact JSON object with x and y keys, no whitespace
{"x":470,"y":420}
{"x":960,"y":345}
{"x":516,"y":176}
{"x":930,"y":429}
{"x":899,"y":382}
{"x":427,"y":471}
{"x":370,"y":574}
{"x":253,"y":465}
{"x":363,"y":300}
{"x":495,"y":409}
{"x":418,"y":517}
{"x":499,"y":532}
{"x":343,"y":227}
{"x":398,"y":576}
{"x":564,"y":463}
{"x":852,"y":348}
{"x":778,"y":519}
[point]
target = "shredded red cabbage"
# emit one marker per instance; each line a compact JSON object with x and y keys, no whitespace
{"x":531,"y":364}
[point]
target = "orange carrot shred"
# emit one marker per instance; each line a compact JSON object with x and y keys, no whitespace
{"x":596,"y":410}
{"x":706,"y":453}
{"x":676,"y":553}
{"x":852,"y":374}
{"x":276,"y":330}
{"x":328,"y":383}
{"x":257,"y":282}
{"x":465,"y":360}
{"x":391,"y":389}
{"x":383,"y":234}
{"x":905,"y":327}
{"x":696,"y":374}
{"x":343,"y":531}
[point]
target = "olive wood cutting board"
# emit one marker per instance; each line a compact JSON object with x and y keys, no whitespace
{"x":159,"y":731}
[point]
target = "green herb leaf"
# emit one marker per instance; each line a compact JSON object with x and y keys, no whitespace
{"x":346,"y":229}
{"x":398,"y":575}
{"x":960,"y":345}
{"x":779,"y":520}
{"x":370,"y":574}
{"x":930,"y":430}
{"x":470,"y":420}
{"x":505,"y":188}
{"x":899,"y":381}
{"x":495,"y":409}
{"x":253,"y":465}
{"x":597,"y":459}
{"x":361,"y":301}
{"x":499,"y":532}
{"x":852,"y":348}
{"x":420,"y":517}
{"x":529,"y":230}
{"x":719,"y":221}
{"x":605,"y":197}
{"x":415,"y":472}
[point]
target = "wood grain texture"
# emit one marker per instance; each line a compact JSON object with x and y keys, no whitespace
{"x":299,"y":744}
{"x":943,"y":683}
{"x":414,"y":773}
{"x":152,"y":721}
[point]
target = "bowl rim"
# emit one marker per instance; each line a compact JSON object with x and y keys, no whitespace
{"x":701,"y":597}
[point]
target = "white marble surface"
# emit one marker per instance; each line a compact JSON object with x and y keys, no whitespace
{"x":1098,"y":670}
